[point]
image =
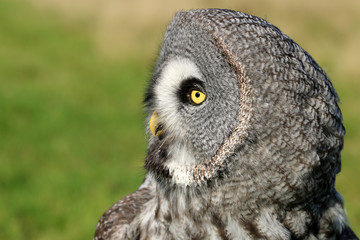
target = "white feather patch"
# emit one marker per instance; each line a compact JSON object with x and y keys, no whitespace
{"x":180,"y":163}
{"x":166,"y":89}
{"x":167,"y":102}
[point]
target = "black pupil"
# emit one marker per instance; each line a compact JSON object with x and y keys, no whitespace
{"x":197,"y":94}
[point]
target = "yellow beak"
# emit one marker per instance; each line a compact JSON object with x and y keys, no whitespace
{"x":154,"y":124}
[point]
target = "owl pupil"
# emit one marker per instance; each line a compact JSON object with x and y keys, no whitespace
{"x":197,"y":94}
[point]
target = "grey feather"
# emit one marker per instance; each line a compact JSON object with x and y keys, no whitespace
{"x":256,"y":159}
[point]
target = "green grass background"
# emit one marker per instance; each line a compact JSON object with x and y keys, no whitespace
{"x":72,"y":78}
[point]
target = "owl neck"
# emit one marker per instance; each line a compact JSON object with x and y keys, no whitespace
{"x":221,"y":204}
{"x":247,"y":187}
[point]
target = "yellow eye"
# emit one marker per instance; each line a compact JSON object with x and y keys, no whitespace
{"x":197,"y":96}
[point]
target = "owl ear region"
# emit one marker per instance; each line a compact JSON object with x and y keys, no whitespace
{"x":155,"y":126}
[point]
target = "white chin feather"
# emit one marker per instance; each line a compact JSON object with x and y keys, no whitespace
{"x":180,"y":163}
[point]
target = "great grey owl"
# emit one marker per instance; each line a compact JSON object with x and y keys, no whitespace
{"x":246,"y":141}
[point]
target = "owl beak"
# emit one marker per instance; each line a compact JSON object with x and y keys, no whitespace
{"x":155,"y":125}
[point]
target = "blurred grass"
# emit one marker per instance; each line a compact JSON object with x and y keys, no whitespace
{"x":71,"y":128}
{"x":72,"y":80}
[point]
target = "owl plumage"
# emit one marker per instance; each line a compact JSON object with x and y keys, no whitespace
{"x":246,"y":143}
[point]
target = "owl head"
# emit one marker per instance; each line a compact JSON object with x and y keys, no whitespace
{"x":233,"y":99}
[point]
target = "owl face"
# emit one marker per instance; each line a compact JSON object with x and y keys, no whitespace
{"x":194,"y":103}
{"x":192,"y":113}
